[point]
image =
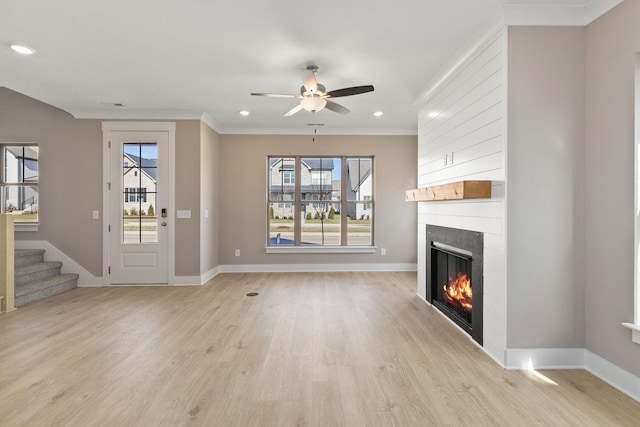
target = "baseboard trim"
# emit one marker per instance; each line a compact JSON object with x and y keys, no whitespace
{"x":613,"y":375}
{"x":544,"y":358}
{"x":574,"y":358}
{"x":85,"y":279}
{"x":185,"y":281}
{"x":312,"y":268}
{"x":209,"y":275}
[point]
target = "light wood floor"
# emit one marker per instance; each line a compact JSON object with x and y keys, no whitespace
{"x":339,"y":349}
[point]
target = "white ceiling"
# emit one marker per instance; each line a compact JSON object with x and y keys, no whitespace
{"x":189,"y":58}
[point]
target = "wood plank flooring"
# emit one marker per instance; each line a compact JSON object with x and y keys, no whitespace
{"x":312,"y":349}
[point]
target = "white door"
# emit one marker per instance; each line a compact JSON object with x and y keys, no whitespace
{"x":138,"y":205}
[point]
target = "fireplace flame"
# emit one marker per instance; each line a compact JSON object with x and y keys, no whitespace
{"x":458,"y":292}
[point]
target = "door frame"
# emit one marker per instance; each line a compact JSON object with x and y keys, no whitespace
{"x":107,"y":128}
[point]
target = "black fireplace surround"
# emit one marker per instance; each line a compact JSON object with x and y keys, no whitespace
{"x":464,"y":251}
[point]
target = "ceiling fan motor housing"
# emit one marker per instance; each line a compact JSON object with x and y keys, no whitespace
{"x":320,"y":91}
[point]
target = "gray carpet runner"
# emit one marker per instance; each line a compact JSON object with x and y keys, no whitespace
{"x":36,"y":279}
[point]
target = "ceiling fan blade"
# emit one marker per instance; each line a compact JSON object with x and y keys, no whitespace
{"x":277,"y":95}
{"x":356,"y":90}
{"x":336,"y":108}
{"x":309,"y":80}
{"x":293,"y":110}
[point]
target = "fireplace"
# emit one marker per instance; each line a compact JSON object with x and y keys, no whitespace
{"x":454,"y":276}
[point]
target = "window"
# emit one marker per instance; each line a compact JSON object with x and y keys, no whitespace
{"x":332,"y":202}
{"x":133,"y":194}
{"x":318,"y":178}
{"x":635,"y":326}
{"x":288,"y":177}
{"x":19,"y":182}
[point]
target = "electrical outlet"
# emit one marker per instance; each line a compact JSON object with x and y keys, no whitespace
{"x":445,"y":160}
{"x":383,"y":251}
{"x":237,"y":252}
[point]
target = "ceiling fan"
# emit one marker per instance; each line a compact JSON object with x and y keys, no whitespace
{"x":314,"y":96}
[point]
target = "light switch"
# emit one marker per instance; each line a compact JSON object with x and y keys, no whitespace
{"x":206,"y":213}
{"x":183,"y":214}
{"x":96,"y":214}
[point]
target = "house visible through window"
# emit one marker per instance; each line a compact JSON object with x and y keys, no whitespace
{"x":19,"y":182}
{"x":288,"y":177}
{"x":133,"y":194}
{"x":331,"y":201}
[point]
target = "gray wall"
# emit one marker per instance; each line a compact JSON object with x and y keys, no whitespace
{"x":545,"y":191}
{"x":612,"y":43}
{"x":243,"y":195}
{"x":70,"y":174}
{"x":187,"y":197}
{"x":209,"y":198}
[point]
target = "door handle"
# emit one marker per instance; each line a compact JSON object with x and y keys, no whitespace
{"x":164,"y":224}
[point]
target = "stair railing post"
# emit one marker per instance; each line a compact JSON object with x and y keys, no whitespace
{"x":7,"y":259}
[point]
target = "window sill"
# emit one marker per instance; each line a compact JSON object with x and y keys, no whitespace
{"x":320,"y":249}
{"x":635,"y":331}
{"x":25,"y":227}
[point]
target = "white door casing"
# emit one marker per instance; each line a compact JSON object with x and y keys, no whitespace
{"x":138,"y":249}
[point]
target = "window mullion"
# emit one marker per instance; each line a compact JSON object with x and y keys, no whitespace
{"x":343,"y":201}
{"x":297,"y":207}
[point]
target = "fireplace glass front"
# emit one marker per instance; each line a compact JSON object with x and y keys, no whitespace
{"x":452,"y":283}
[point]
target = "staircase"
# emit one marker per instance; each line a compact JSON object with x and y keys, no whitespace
{"x":36,"y":279}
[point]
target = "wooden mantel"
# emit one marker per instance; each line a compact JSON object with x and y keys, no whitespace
{"x":452,"y":191}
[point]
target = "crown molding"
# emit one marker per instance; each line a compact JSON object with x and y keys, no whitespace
{"x":211,"y":122}
{"x":556,"y":14}
{"x":216,"y":126}
{"x":321,"y":131}
{"x":135,"y":115}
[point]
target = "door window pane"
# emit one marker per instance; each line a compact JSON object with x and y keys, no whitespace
{"x":139,"y":192}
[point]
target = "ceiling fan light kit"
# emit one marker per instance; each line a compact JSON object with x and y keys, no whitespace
{"x":314,"y":96}
{"x":313,"y":103}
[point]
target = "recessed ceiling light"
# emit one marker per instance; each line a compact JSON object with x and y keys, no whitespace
{"x":433,"y":114}
{"x":244,"y":112}
{"x":378,"y":113}
{"x":22,"y":49}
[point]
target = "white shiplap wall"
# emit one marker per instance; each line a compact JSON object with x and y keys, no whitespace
{"x":470,"y":103}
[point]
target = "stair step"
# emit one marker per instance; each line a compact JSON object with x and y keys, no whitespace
{"x":42,"y":270}
{"x":24,"y":257}
{"x":44,"y":288}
